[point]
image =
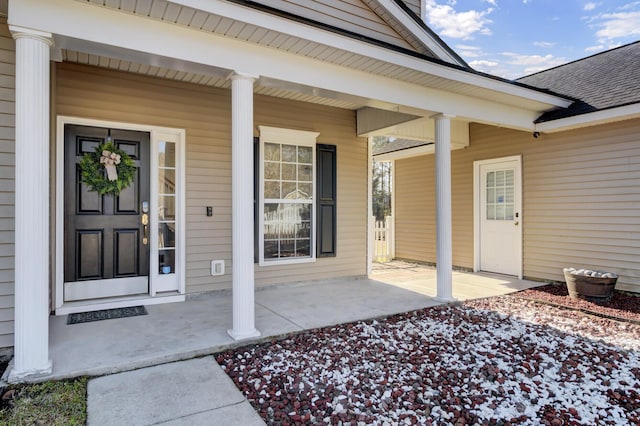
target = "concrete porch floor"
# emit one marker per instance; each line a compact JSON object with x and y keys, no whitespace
{"x":197,"y":327}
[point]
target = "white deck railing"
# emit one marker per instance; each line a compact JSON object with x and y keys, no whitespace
{"x":383,"y":240}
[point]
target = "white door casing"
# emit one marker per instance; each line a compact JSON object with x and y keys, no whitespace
{"x":172,"y":284}
{"x":498,"y":215}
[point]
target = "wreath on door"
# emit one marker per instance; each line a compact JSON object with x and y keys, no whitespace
{"x":107,"y":170}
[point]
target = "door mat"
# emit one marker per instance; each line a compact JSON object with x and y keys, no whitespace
{"x":106,"y":314}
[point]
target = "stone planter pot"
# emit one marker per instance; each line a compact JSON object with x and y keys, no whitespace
{"x":596,"y":289}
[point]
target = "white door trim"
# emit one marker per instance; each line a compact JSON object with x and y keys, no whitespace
{"x":476,"y":209}
{"x":157,"y":283}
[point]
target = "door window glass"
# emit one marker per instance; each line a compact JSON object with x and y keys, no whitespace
{"x":500,"y":203}
{"x":166,"y":207}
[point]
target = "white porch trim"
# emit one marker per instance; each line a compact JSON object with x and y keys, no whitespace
{"x":242,"y":206}
{"x":444,"y":255}
{"x":31,"y":345}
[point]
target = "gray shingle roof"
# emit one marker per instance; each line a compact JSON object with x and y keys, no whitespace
{"x":605,"y":80}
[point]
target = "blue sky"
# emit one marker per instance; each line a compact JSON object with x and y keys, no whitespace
{"x":514,"y":38}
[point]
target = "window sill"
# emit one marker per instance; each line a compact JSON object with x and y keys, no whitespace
{"x":293,"y":261}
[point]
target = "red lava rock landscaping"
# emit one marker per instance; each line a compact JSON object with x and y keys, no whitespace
{"x":497,"y":361}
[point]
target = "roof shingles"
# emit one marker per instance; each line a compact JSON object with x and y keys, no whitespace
{"x":605,"y":80}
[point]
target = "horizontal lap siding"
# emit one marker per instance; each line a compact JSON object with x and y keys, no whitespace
{"x":205,"y":114}
{"x":581,"y":200}
{"x":416,"y":209}
{"x":7,"y":183}
{"x":350,"y":15}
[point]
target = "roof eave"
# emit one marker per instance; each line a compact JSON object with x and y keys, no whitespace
{"x":610,"y":115}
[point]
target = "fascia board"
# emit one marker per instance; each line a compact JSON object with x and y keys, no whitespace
{"x":296,"y":29}
{"x":434,"y":45}
{"x":590,"y":119}
{"x":85,"y":24}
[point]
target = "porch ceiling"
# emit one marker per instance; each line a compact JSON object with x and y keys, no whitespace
{"x":215,"y":78}
{"x":214,"y":17}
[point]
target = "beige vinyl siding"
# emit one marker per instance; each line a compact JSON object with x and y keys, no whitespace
{"x":205,"y":114}
{"x":350,"y":15}
{"x":581,"y":200}
{"x":7,"y":183}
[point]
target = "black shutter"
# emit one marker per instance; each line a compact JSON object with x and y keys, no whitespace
{"x":256,"y":196}
{"x":326,"y":188}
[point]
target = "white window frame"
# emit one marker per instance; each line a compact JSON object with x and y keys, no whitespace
{"x":288,"y":137}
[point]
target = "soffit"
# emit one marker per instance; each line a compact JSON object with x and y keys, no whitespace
{"x":209,"y":79}
{"x":176,"y":14}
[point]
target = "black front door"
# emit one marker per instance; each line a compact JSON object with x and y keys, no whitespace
{"x":106,"y":251}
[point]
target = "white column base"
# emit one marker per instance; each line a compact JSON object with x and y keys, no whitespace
{"x":29,"y":375}
{"x":243,"y":336}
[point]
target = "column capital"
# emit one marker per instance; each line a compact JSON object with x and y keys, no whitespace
{"x":235,"y":75}
{"x":22,"y":32}
{"x":442,"y":115}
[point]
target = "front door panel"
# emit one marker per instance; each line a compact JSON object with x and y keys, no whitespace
{"x":105,"y":254}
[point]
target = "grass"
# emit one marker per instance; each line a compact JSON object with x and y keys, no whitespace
{"x":49,"y":403}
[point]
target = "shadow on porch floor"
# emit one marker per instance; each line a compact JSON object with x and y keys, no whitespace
{"x":199,"y":326}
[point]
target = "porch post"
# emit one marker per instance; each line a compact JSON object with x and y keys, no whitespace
{"x":31,"y":344}
{"x":444,"y":262}
{"x":242,"y":206}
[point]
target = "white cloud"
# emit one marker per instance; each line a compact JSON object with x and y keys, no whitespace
{"x":451,"y":23}
{"x":617,"y":25}
{"x":589,"y":6}
{"x":491,"y":2}
{"x":530,"y":64}
{"x":483,"y":64}
{"x":544,"y":44}
{"x":468,"y":51}
{"x":596,"y":48}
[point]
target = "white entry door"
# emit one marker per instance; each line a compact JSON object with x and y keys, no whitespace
{"x":499,"y":215}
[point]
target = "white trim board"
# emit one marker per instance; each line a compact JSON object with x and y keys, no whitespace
{"x":155,"y":280}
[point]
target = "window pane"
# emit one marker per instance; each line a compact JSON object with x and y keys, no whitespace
{"x":303,"y":229}
{"x":167,"y":207}
{"x":508,"y":196}
{"x":270,"y":249}
{"x":167,"y":181}
{"x":302,"y":248}
{"x":305,"y":190}
{"x":271,"y":152}
{"x":287,"y":248}
{"x":166,"y":235}
{"x":288,"y":171}
{"x":289,"y":153}
{"x":508,"y":212}
{"x":491,"y":195}
{"x":289,"y":191}
{"x":271,"y":189}
{"x":271,"y":170}
{"x":167,"y":154}
{"x":508,"y":177}
{"x":491,"y":212}
{"x":166,"y":261}
{"x":491,"y":179}
{"x":500,"y":178}
{"x":499,"y":195}
{"x":499,"y":212}
{"x":304,"y":173}
{"x":305,"y":155}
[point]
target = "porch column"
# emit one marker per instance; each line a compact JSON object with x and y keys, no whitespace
{"x":444,"y":256}
{"x":242,"y":206}
{"x":31,"y":344}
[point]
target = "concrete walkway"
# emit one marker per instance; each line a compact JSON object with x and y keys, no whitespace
{"x":150,"y":387}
